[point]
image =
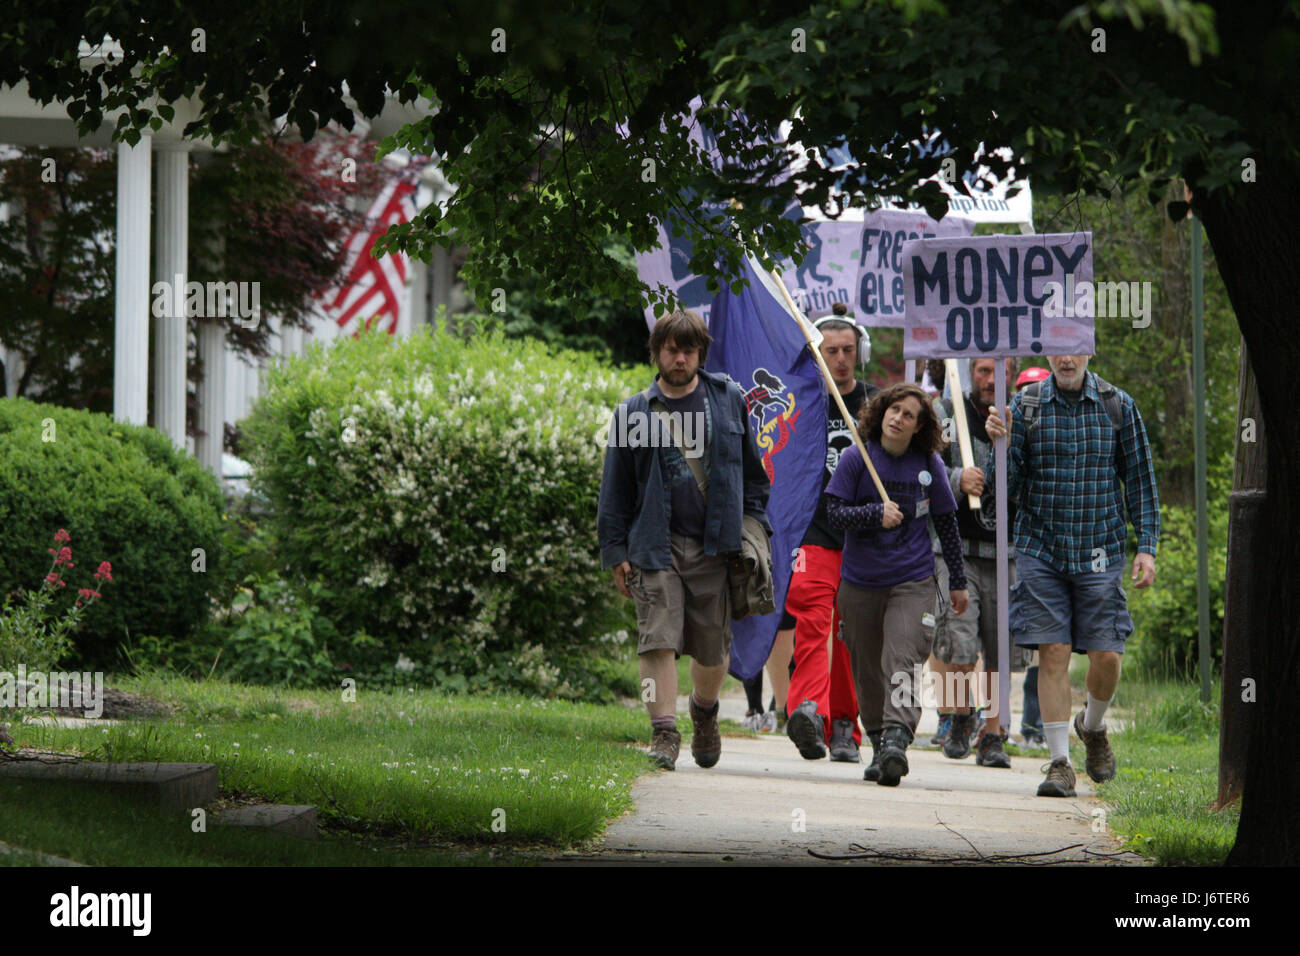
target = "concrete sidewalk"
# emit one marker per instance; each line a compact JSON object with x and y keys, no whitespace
{"x":764,"y":804}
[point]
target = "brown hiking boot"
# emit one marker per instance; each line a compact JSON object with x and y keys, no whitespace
{"x":989,"y":752}
{"x":1059,"y":781}
{"x":706,"y":740}
{"x":1100,"y":762}
{"x":664,"y":748}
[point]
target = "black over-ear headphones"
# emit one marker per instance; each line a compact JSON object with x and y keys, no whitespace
{"x":864,"y":340}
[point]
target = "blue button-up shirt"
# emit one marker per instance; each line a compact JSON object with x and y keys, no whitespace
{"x":1076,"y":479}
{"x":635,"y":503}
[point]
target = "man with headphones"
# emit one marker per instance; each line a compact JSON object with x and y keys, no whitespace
{"x":822,"y":705}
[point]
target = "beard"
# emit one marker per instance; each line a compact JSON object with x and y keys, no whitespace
{"x":675,"y":378}
{"x":1071,"y":381}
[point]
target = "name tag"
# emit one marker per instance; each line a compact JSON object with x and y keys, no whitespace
{"x":923,"y":507}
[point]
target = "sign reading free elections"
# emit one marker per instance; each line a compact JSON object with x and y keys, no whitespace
{"x":967,"y":297}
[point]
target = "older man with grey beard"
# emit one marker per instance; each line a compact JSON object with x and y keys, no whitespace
{"x":1075,"y":440}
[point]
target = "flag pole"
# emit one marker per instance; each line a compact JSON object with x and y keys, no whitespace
{"x":830,"y":385}
{"x":959,"y":415}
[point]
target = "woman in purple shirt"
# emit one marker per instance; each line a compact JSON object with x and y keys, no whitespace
{"x":887,"y":580}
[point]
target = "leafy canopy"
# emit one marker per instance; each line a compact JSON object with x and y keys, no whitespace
{"x":559,"y":125}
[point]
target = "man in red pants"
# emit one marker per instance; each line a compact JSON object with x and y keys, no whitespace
{"x":822,"y":705}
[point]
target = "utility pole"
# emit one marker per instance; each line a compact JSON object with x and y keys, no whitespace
{"x":1202,"y":519}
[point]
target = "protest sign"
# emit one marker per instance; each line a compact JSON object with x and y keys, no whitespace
{"x":880,"y":292}
{"x":990,"y":296}
{"x":858,"y":263}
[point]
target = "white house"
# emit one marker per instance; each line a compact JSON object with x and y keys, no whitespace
{"x":231,"y":385}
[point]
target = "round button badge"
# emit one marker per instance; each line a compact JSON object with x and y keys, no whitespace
{"x":924,"y":478}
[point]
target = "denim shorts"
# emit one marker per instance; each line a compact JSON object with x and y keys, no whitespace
{"x":1088,"y":611}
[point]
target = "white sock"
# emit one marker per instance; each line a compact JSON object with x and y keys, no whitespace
{"x":1092,"y":717}
{"x":1057,"y":733}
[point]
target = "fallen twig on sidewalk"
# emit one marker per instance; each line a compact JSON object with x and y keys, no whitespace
{"x":866,"y":853}
{"x":951,"y":830}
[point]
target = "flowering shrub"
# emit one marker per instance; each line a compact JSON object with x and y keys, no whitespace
{"x":445,"y":491}
{"x":28,"y":635}
{"x":126,"y":494}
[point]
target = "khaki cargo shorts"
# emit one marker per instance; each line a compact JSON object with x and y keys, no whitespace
{"x":685,"y":608}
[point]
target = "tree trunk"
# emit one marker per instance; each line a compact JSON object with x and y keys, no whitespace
{"x":1255,"y":244}
{"x":1247,"y":525}
{"x":1179,"y":484}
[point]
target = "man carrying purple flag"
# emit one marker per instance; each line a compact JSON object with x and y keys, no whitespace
{"x":681,"y":476}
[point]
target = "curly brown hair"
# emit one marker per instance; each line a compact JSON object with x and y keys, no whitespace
{"x":928,"y":438}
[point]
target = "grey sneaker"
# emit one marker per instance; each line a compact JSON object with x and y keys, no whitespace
{"x":807,"y":729}
{"x":945,"y":724}
{"x":1100,"y":762}
{"x":664,"y":748}
{"x":706,"y":740}
{"x":1033,"y":740}
{"x":1059,"y":781}
{"x":843,"y":747}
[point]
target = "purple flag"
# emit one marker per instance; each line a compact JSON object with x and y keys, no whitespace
{"x":758,"y":343}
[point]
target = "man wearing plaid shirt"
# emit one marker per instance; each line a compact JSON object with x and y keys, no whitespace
{"x":1065,"y":471}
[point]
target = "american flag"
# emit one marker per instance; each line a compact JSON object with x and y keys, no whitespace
{"x":371,"y":286}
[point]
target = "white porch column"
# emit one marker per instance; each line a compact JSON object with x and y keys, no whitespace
{"x":212,"y":396}
{"x":290,"y":339}
{"x":171,"y":266}
{"x":131,"y":285}
{"x":419,"y":294}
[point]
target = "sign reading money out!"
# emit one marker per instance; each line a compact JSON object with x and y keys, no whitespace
{"x":967,"y":297}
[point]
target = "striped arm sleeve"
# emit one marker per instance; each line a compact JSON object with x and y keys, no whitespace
{"x":846,"y":517}
{"x":950,"y":539}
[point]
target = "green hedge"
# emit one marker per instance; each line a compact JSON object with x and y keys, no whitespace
{"x":443,"y":492}
{"x":126,"y":495}
{"x":1164,"y":615}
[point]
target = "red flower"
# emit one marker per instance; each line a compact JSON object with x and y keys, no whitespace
{"x":62,"y":536}
{"x":65,"y":556}
{"x":105,"y":571}
{"x":84,"y":593}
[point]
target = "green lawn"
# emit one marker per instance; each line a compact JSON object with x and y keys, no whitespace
{"x":387,"y":771}
{"x":103,"y":829}
{"x":1160,"y":800}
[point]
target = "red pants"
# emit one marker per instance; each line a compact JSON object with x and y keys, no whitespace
{"x":811,"y":601}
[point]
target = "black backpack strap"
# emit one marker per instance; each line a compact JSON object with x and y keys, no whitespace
{"x":1111,"y":402}
{"x":1030,"y":399}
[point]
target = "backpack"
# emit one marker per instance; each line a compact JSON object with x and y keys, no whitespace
{"x":1032,"y":398}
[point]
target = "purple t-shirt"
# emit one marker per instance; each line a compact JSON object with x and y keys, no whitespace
{"x":885,"y":557}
